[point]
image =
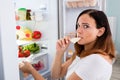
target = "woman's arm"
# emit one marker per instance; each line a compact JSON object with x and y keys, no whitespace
{"x":59,"y":69}
{"x":74,"y":76}
{"x":36,"y":75}
{"x":26,"y":67}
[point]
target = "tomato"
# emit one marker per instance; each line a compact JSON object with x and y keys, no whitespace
{"x":20,"y":48}
{"x":20,"y":55}
{"x":26,"y":53}
{"x":18,"y":27}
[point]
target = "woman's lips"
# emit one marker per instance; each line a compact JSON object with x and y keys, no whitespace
{"x":79,"y":37}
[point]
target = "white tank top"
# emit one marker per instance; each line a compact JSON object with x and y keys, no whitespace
{"x":92,"y":67}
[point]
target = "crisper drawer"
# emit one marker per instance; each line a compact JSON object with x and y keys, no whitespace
{"x":42,"y":63}
{"x":47,"y":76}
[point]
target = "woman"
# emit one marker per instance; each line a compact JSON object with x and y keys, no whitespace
{"x":94,"y":52}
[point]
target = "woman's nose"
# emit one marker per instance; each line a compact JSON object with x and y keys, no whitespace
{"x":79,"y":29}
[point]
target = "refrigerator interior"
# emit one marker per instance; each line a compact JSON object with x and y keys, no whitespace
{"x":46,"y":21}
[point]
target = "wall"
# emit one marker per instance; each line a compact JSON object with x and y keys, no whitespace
{"x":112,"y":9}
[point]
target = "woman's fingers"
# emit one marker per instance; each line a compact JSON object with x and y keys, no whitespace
{"x":25,"y":67}
{"x":21,"y":65}
{"x":62,"y":44}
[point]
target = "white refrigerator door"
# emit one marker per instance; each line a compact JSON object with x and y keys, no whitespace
{"x":8,"y":57}
{"x":1,"y":62}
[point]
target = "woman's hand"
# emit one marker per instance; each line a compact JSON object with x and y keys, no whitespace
{"x":62,"y":45}
{"x":25,"y":67}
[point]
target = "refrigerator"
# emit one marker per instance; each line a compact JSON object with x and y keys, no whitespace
{"x":43,"y":18}
{"x":8,"y":57}
{"x":52,"y":18}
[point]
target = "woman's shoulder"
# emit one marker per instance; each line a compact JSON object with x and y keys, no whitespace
{"x":99,"y":58}
{"x":94,"y":63}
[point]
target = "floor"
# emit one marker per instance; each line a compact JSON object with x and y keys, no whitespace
{"x":116,"y":69}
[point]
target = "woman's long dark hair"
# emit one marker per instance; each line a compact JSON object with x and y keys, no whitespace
{"x":104,"y":44}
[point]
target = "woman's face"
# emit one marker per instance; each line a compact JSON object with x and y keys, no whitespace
{"x":86,"y":30}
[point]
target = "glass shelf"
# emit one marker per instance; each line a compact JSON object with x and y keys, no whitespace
{"x":23,"y":42}
{"x":32,"y":57}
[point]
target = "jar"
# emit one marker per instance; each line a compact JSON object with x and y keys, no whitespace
{"x":22,"y":13}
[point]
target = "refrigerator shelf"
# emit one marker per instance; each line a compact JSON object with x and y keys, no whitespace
{"x":24,"y":42}
{"x":80,"y":3}
{"x":33,"y":58}
{"x":26,"y":23}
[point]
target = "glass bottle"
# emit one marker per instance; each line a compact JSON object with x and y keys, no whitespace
{"x":28,"y":15}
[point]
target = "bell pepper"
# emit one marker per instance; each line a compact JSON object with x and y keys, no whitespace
{"x":36,"y":35}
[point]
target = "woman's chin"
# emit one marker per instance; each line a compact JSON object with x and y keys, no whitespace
{"x":80,"y":43}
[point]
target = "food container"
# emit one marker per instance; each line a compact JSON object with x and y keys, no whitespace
{"x":22,"y":13}
{"x":39,"y":61}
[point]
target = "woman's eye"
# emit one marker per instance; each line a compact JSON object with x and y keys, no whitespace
{"x":78,"y":25}
{"x":85,"y":26}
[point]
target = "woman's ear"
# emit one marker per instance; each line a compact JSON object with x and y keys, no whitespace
{"x":101,"y":31}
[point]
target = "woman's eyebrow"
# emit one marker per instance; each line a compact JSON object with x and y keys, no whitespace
{"x":85,"y":23}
